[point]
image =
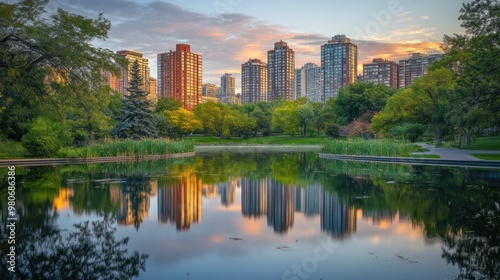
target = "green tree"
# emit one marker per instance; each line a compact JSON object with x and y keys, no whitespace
{"x":305,"y":113}
{"x":167,"y":103}
{"x":182,"y":121}
{"x":42,"y":140}
{"x":136,"y":121}
{"x":356,"y":99}
{"x":426,"y":102}
{"x":39,"y":51}
{"x":286,"y":117}
{"x":474,"y":57}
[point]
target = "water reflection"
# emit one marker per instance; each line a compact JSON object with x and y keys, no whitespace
{"x":285,"y":196}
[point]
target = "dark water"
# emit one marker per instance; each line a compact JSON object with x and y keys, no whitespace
{"x":257,"y":216}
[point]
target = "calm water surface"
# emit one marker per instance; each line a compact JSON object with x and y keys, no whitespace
{"x":276,"y":216}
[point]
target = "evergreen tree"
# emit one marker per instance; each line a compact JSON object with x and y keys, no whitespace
{"x":136,"y":120}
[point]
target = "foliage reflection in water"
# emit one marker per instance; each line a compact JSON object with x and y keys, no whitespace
{"x":297,"y":196}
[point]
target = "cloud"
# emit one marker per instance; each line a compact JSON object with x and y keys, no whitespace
{"x":425,"y":17}
{"x":228,"y":40}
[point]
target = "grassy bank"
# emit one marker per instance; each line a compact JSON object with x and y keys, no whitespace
{"x":486,"y":143}
{"x":487,"y":156}
{"x":388,"y":148}
{"x":128,"y":148}
{"x":260,"y":140}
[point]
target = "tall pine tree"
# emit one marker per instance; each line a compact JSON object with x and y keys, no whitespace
{"x":136,"y":121}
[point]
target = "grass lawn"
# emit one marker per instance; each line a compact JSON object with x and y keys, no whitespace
{"x":269,"y":140}
{"x":487,"y":143}
{"x":425,"y":156}
{"x":487,"y":156}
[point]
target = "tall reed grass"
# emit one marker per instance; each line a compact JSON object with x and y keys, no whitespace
{"x":389,"y":148}
{"x":139,"y":148}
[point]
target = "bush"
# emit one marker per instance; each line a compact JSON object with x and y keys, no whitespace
{"x":42,"y":140}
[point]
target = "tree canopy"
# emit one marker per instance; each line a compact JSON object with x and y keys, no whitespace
{"x":48,"y":60}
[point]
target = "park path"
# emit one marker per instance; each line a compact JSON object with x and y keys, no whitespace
{"x":453,"y":153}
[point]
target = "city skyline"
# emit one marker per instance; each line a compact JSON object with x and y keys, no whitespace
{"x":228,"y":33}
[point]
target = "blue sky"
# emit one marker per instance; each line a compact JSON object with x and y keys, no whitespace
{"x":229,"y":32}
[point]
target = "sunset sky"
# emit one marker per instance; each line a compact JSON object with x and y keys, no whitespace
{"x":229,"y":32}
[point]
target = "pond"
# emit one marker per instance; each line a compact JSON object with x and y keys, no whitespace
{"x":256,"y":216}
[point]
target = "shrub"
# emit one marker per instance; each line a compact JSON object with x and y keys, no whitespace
{"x":42,"y":140}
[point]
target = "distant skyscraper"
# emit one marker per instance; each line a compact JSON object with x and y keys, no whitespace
{"x":308,"y":82}
{"x":121,"y":83}
{"x":381,"y":72}
{"x":254,"y":84}
{"x":209,"y":90}
{"x":281,"y":72}
{"x":227,"y":94}
{"x":415,"y":66}
{"x":339,"y":63}
{"x":153,"y":94}
{"x":180,"y":76}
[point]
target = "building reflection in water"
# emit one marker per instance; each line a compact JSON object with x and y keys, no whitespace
{"x":337,"y":218}
{"x":181,"y":202}
{"x":254,"y":197}
{"x":279,"y":203}
{"x":133,"y":200}
{"x":227,"y":191}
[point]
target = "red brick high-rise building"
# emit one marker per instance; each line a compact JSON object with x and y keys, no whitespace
{"x":180,"y":76}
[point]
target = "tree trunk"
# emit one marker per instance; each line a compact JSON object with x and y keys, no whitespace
{"x":439,"y":137}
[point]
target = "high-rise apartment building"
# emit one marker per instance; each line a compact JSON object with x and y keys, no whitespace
{"x":415,"y":66}
{"x":308,"y":82}
{"x":180,"y":76}
{"x":381,"y":72}
{"x":153,"y":94}
{"x":227,"y":93}
{"x":281,"y":72}
{"x":121,"y":83}
{"x":209,"y":90}
{"x":254,"y":84}
{"x":339,"y":63}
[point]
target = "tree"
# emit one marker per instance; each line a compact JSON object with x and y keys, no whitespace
{"x":426,"y":102}
{"x":286,"y":117}
{"x":38,"y":52}
{"x":306,"y":115}
{"x":42,"y":140}
{"x":474,"y":57}
{"x":167,"y":103}
{"x":182,"y":121}
{"x":136,"y":121}
{"x":358,"y":98}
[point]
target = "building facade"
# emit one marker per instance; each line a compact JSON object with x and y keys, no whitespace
{"x":415,"y":66}
{"x":209,"y":90}
{"x":228,"y":90}
{"x":381,"y":72}
{"x":254,"y":83}
{"x":308,"y":82}
{"x":281,"y":72}
{"x":180,"y":76}
{"x":339,"y":64}
{"x":121,"y":83}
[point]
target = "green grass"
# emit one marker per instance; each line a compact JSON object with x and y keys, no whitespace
{"x":129,"y":148}
{"x":389,"y":148}
{"x":487,"y":143}
{"x":11,"y":149}
{"x":260,"y":140}
{"x":487,"y":156}
{"x":425,"y":156}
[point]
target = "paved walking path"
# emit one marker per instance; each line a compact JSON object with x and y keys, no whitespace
{"x":453,"y":153}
